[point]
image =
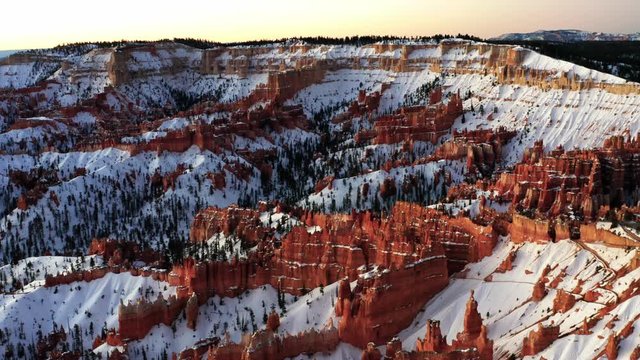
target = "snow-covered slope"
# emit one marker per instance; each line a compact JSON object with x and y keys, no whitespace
{"x":567,"y":36}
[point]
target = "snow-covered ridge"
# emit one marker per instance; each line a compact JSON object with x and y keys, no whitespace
{"x":567,"y":36}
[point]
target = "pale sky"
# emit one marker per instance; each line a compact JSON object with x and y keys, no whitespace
{"x":44,"y":23}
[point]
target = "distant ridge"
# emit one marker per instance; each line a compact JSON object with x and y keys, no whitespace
{"x":566,"y":36}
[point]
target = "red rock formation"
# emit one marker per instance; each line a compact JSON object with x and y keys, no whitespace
{"x":393,"y":346}
{"x":116,"y":354}
{"x":406,"y":247}
{"x":283,"y":85}
{"x":611,"y":350}
{"x":474,"y":333}
{"x":433,"y":340}
{"x":365,"y":104}
{"x":417,"y":123}
{"x":344,"y":244}
{"x":507,"y":263}
{"x":273,"y":321}
{"x":116,"y":252}
{"x":472,"y":340}
{"x":371,"y":353}
{"x":482,"y":148}
{"x":267,"y":345}
{"x":48,"y":343}
{"x":191,"y":311}
{"x":523,"y":229}
{"x":550,"y":184}
{"x":472,"y":319}
{"x":539,"y":339}
{"x":243,"y":223}
{"x":563,"y":301}
{"x":219,"y":277}
{"x":380,"y":305}
{"x":135,"y":320}
{"x":539,"y":290}
{"x":34,"y":183}
{"x":584,"y":329}
{"x":218,"y":180}
{"x":113,"y":338}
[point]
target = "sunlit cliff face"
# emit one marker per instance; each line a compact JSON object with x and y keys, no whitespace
{"x":45,"y":23}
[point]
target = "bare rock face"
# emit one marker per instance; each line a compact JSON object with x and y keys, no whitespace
{"x":381,"y":306}
{"x":388,"y":257}
{"x":326,"y":182}
{"x":471,"y":343}
{"x":551,"y":184}
{"x":46,"y":347}
{"x":563,"y":301}
{"x":116,"y":252}
{"x":135,"y":320}
{"x":474,"y":333}
{"x":481,"y":148}
{"x":283,"y":85}
{"x":611,"y":350}
{"x":191,"y":311}
{"x":273,"y":321}
{"x":539,"y":290}
{"x":371,"y":353}
{"x":366,"y":104}
{"x":393,"y":347}
{"x":524,"y":229}
{"x":433,"y":340}
{"x":35,"y":185}
{"x":268,"y":345}
{"x":539,"y":339}
{"x":416,"y":123}
{"x":472,"y":319}
{"x":243,"y":223}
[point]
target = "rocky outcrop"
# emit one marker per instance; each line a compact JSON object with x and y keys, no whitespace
{"x":524,"y":229}
{"x":563,"y":301}
{"x":539,"y":339}
{"x":139,"y":61}
{"x":35,"y":185}
{"x":366,"y":104}
{"x":385,"y":301}
{"x":481,"y":148}
{"x":191,"y":311}
{"x":135,"y":320}
{"x":49,"y":343}
{"x":218,"y":277}
{"x":243,"y":223}
{"x":559,"y":181}
{"x":268,"y":345}
{"x":539,"y":290}
{"x":390,"y":257}
{"x":118,"y":252}
{"x":433,"y":340}
{"x":611,"y":349}
{"x":100,"y":272}
{"x":371,"y":353}
{"x":217,"y":137}
{"x":474,"y":333}
{"x":283,"y":85}
{"x":417,"y":123}
{"x":472,"y":341}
